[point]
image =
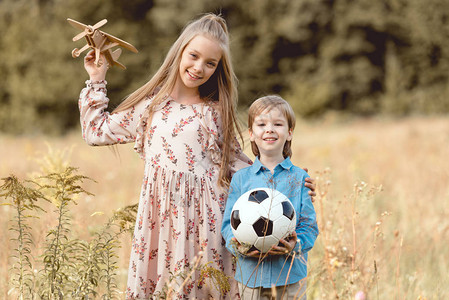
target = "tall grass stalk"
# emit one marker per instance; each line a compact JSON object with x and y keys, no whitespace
{"x":343,"y":226}
{"x":398,"y":283}
{"x":322,"y":192}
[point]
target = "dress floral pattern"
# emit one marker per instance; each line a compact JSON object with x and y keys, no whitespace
{"x":181,"y":206}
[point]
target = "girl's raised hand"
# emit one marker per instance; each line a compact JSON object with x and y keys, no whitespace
{"x":310,"y":183}
{"x":95,"y":73}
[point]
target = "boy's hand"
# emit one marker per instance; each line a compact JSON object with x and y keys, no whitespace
{"x":310,"y":183}
{"x":285,"y":246}
{"x":244,"y":249}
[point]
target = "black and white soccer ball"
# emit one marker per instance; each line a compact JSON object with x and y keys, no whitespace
{"x":261,"y":217}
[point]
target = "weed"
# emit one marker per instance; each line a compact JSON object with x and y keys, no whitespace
{"x":24,"y":201}
{"x":72,"y":268}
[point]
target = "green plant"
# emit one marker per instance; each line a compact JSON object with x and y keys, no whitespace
{"x":24,"y":201}
{"x":107,"y":242}
{"x":61,"y":252}
{"x":71,"y":268}
{"x":218,"y":279}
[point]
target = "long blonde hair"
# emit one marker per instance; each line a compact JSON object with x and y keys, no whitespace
{"x":221,"y":88}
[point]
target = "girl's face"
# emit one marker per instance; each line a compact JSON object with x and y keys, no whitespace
{"x":199,"y":61}
{"x":270,"y":132}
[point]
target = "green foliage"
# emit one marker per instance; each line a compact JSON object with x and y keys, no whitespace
{"x":219,"y":280}
{"x":126,"y":217}
{"x":69,"y":267}
{"x":106,"y":243}
{"x":24,"y":200}
{"x":181,"y":278}
{"x":61,"y":253}
{"x":363,"y":57}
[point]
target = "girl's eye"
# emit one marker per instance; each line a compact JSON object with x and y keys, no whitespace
{"x":211,"y":64}
{"x":193,"y":55}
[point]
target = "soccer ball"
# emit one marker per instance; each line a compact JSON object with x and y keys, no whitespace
{"x":261,"y":217}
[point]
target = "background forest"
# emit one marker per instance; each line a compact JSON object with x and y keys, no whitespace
{"x":362,"y":57}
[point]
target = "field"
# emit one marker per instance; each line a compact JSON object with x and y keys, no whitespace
{"x":382,"y":204}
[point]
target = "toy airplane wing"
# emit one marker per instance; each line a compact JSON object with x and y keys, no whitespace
{"x":76,"y":24}
{"x":121,"y":43}
{"x":100,"y":42}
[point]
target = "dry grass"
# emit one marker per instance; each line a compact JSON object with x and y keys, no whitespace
{"x":402,"y":228}
{"x":390,"y":243}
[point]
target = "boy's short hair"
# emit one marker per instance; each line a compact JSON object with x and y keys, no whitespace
{"x":268,"y":102}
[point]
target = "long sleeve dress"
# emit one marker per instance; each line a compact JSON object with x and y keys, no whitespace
{"x":181,"y":205}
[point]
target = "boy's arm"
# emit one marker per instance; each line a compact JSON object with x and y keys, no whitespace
{"x":234,"y":194}
{"x":307,"y":228}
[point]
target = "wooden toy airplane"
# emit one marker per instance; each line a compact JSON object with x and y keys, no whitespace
{"x":101,"y":42}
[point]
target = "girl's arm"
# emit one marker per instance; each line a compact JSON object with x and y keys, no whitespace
{"x":214,"y":126}
{"x":310,"y":183}
{"x":241,"y":160}
{"x":99,"y":127}
{"x":306,"y":228}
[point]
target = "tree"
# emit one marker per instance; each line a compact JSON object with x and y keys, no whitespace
{"x":361,"y":56}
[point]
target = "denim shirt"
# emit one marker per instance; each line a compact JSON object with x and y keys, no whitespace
{"x":273,"y":270}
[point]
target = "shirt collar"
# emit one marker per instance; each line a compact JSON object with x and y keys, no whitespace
{"x":286,"y":164}
{"x":257,"y":165}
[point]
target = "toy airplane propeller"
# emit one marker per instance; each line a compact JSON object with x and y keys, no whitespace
{"x":101,"y":42}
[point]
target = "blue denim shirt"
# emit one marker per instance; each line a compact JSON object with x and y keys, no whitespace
{"x":289,"y":180}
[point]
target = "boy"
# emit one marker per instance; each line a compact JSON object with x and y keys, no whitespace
{"x":271,"y":121}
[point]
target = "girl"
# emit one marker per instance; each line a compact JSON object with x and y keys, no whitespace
{"x":183,"y":124}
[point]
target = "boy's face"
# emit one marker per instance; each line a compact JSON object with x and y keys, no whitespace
{"x":270,"y":132}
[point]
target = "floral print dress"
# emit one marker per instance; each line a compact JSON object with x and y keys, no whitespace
{"x":181,"y":206}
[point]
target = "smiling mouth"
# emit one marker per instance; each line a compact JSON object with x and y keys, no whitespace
{"x":270,"y":139}
{"x":194,"y":77}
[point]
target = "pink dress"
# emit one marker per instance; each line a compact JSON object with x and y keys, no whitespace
{"x":181,"y":205}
